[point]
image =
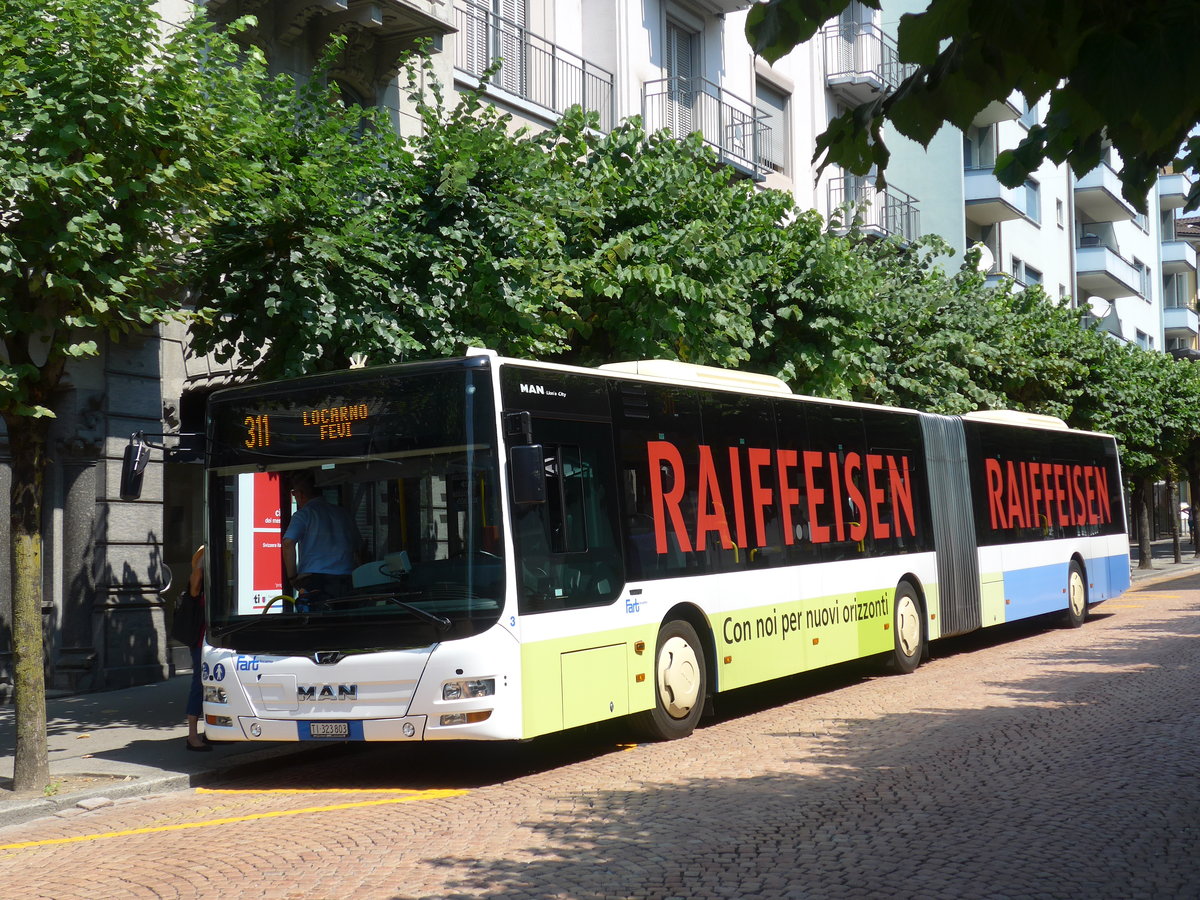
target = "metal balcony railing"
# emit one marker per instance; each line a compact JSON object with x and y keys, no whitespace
{"x":531,"y":67}
{"x":863,"y":53}
{"x":890,"y":212}
{"x":729,"y":124}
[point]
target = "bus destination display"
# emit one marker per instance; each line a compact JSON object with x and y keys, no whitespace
{"x":328,"y":423}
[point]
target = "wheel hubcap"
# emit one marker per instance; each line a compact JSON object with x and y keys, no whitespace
{"x":908,"y":626}
{"x":1078,"y":596}
{"x":678,"y":677}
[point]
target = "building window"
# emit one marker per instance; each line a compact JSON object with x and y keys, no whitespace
{"x":1144,"y":340}
{"x":1058,"y":214}
{"x":1025,"y":274}
{"x":496,"y":28}
{"x":1166,"y":224}
{"x":773,"y":139}
{"x":1029,"y":114}
{"x":1143,"y":278}
{"x":1142,"y":222}
{"x":1175,"y":292}
{"x":979,"y":148}
{"x":1033,"y":200}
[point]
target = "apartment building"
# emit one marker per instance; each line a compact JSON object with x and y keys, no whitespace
{"x":682,"y":65}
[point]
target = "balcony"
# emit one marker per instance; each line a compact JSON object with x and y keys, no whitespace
{"x":531,"y":68}
{"x":721,"y":7}
{"x":729,"y":124}
{"x":1098,"y":196}
{"x":996,"y":111}
{"x":1177,"y":257}
{"x":378,"y":32}
{"x":886,"y":213}
{"x":1179,"y":319}
{"x":988,"y":201}
{"x":1102,"y":272}
{"x":861,"y":62}
{"x":1173,"y":190}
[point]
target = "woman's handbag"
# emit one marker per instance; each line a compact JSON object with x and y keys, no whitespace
{"x":187,"y":626}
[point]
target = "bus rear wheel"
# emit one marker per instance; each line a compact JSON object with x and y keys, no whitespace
{"x":1076,"y":613}
{"x":680,"y":683}
{"x":908,"y":630}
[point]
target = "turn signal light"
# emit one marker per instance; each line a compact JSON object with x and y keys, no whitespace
{"x":467,"y":718}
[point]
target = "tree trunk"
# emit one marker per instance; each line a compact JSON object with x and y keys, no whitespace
{"x":1173,"y":510}
{"x":27,"y":438}
{"x":1142,"y":492}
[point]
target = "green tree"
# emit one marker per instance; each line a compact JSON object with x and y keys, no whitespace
{"x":564,"y":243}
{"x":1107,"y":71}
{"x":1151,"y":402}
{"x":116,"y":146}
{"x":949,"y":343}
{"x":677,"y":257}
{"x":359,"y":242}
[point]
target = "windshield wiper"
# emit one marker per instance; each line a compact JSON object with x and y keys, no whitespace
{"x":441,"y":622}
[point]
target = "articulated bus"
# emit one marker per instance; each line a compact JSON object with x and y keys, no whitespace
{"x":545,"y":546}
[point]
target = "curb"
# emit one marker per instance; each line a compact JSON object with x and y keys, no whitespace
{"x":1154,"y":576}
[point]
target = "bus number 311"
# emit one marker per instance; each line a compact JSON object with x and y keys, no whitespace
{"x":257,"y":433}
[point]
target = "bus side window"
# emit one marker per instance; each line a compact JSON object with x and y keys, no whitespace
{"x":568,"y":555}
{"x":565,"y":503}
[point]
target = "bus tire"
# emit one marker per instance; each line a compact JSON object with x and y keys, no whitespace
{"x":908,"y":630}
{"x":680,"y":683}
{"x":1077,"y":607}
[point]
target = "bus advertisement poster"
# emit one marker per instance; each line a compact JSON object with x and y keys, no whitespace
{"x":260,"y":565}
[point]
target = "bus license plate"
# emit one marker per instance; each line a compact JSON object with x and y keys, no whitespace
{"x":329,"y":729}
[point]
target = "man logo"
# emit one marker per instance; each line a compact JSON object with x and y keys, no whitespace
{"x":532,"y":389}
{"x":317,"y":693}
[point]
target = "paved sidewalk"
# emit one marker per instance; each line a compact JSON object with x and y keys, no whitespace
{"x":115,"y":744}
{"x":131,"y":742}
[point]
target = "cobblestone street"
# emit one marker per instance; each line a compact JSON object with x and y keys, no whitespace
{"x":1026,"y":761}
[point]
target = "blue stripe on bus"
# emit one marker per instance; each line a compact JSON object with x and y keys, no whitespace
{"x":1118,"y":575}
{"x":1031,"y":592}
{"x":1042,"y":589}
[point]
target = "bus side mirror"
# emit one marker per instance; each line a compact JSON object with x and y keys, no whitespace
{"x":528,"y":467}
{"x":133,"y":467}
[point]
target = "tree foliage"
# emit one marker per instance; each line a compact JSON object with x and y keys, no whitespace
{"x":563,"y":243}
{"x":1106,"y":71}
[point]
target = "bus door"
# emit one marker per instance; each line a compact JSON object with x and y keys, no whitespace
{"x":567,"y":550}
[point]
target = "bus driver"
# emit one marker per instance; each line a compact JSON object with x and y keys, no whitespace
{"x":328,"y":542}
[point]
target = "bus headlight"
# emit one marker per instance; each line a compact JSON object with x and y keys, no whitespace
{"x":214,"y":694}
{"x":463,"y":690}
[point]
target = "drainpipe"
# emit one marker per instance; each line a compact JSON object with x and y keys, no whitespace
{"x":1071,"y":239}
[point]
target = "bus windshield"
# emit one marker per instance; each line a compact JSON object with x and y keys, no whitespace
{"x":403,"y":468}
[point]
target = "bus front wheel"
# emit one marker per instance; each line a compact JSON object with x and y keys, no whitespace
{"x":908,"y":632}
{"x":680,"y":683}
{"x":1076,"y":597}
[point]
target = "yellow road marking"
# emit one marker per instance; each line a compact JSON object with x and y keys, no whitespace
{"x":320,"y":791}
{"x":416,"y":795}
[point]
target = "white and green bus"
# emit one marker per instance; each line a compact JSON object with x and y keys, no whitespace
{"x":544,"y":546}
